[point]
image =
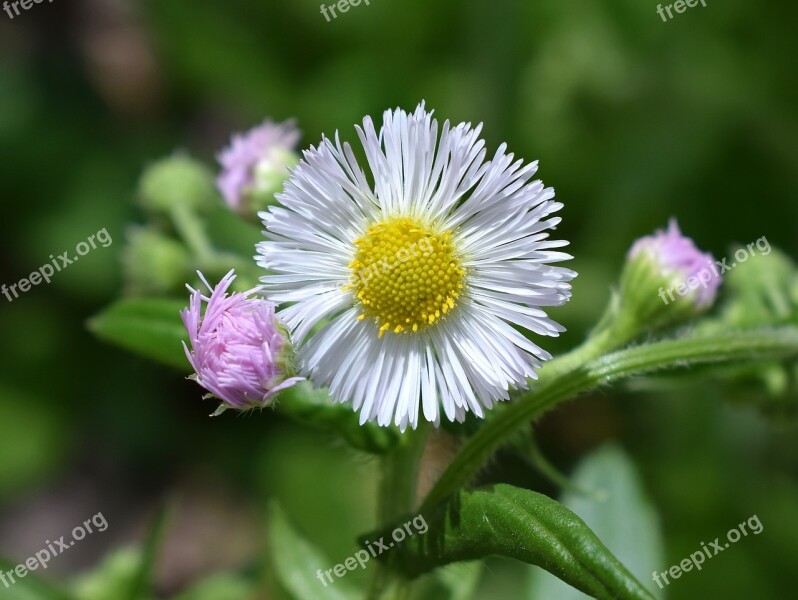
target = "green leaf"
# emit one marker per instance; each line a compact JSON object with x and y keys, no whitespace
{"x":508,"y":521}
{"x":315,"y":408}
{"x":30,"y":587}
{"x":148,"y":326}
{"x":617,"y":511}
{"x":297,"y":561}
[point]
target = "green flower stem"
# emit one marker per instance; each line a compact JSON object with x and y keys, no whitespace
{"x":397,"y":493}
{"x":539,"y":461}
{"x":396,"y":498}
{"x":564,"y":378}
{"x":192,"y":231}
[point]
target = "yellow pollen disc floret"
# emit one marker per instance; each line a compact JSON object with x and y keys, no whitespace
{"x":406,"y":275}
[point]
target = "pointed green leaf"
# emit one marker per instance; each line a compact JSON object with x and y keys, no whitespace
{"x":508,"y":521}
{"x":619,"y":512}
{"x":148,"y":326}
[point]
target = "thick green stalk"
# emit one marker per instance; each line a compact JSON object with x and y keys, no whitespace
{"x":568,"y":376}
{"x":397,"y":498}
{"x":192,"y":231}
{"x":397,"y":491}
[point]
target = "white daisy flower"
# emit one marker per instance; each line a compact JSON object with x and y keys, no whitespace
{"x":419,"y":274}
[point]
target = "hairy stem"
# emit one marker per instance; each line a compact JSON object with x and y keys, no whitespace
{"x":565,"y":377}
{"x":396,"y":498}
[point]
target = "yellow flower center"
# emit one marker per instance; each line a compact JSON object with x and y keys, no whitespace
{"x":405,"y":274}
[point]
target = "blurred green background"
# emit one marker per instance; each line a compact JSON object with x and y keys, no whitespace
{"x":633,"y":120}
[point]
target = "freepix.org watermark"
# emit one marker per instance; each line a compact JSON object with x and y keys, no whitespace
{"x":679,"y":6}
{"x":47,"y":270}
{"x":362,"y":557}
{"x":341,"y":6}
{"x":697,"y":558}
{"x":715,"y":269}
{"x":17,"y":4}
{"x":52,"y":549}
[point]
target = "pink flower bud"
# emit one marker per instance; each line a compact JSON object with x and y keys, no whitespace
{"x":239,"y":351}
{"x":681,"y":261}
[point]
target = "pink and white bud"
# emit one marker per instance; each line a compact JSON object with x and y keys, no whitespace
{"x":255,"y":165}
{"x":681,"y":263}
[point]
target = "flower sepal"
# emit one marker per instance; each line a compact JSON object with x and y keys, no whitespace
{"x":222,"y":408}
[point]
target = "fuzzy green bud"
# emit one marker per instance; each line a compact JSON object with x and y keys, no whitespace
{"x":177,"y":182}
{"x":154,"y":263}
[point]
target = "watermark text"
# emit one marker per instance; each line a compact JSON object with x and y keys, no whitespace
{"x":714,"y":269}
{"x":362,"y":557}
{"x":53,"y":549}
{"x":697,"y":558}
{"x":56,"y":264}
